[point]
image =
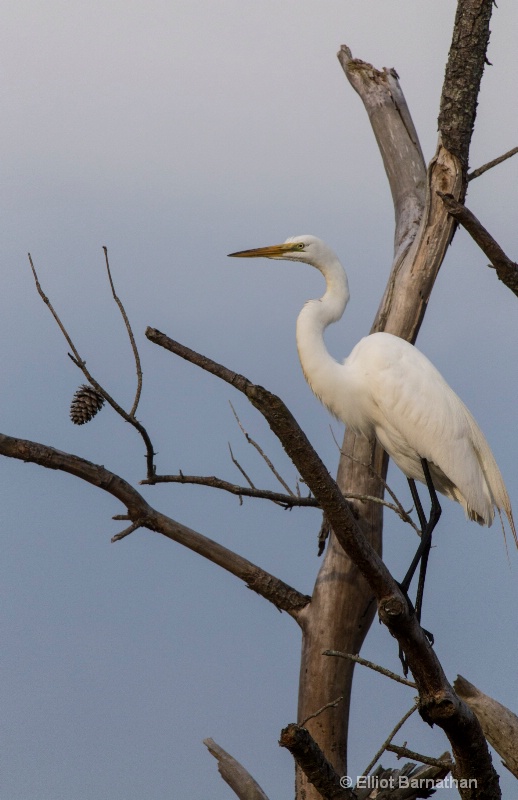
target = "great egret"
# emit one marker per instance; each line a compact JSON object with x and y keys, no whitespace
{"x":388,"y":389}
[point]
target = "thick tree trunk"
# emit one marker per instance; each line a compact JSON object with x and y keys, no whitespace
{"x":338,"y":618}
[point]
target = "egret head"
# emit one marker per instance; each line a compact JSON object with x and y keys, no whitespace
{"x":298,"y":248}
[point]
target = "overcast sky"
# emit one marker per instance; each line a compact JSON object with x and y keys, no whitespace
{"x":175,"y":133}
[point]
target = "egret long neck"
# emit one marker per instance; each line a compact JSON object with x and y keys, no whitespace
{"x":320,"y":368}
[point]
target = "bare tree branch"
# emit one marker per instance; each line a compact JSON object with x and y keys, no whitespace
{"x":81,"y":364}
{"x":332,"y":704}
{"x":240,"y":468}
{"x":313,"y":763}
{"x":490,"y":164}
{"x":233,"y":773}
{"x":130,"y":334}
{"x":284,"y":597}
{"x":404,"y":752}
{"x":397,"y":506}
{"x":389,"y":739}
{"x":126,"y":532}
{"x":286,"y":500}
{"x":262,"y":454}
{"x":376,"y":667}
{"x":506,"y":269}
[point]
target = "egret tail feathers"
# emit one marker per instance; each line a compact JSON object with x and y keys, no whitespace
{"x":493,"y":477}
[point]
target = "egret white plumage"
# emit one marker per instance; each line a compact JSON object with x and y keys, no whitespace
{"x":388,"y":390}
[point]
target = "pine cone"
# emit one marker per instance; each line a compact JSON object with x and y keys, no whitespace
{"x":85,"y":404}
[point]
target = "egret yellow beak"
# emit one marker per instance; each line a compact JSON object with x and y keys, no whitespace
{"x":273,"y":251}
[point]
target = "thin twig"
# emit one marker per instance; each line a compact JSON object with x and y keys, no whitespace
{"x":130,"y":334}
{"x":288,"y":501}
{"x":370,"y":664}
{"x":54,"y":313}
{"x":397,"y":507}
{"x":490,"y":164}
{"x":126,"y":532}
{"x":389,"y":739}
{"x":332,"y":704}
{"x":240,"y":468}
{"x":261,"y":452}
{"x":404,"y":752}
{"x":81,"y":364}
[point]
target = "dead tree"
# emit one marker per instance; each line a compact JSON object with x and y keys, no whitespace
{"x":353,"y":581}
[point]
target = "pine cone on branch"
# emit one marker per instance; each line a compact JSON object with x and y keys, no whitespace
{"x":85,"y":404}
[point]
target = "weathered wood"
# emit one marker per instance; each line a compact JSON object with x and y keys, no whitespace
{"x":313,"y":763}
{"x":233,"y":773}
{"x":500,"y":725}
{"x":397,"y":141}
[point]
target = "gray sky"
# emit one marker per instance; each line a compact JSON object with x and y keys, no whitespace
{"x":175,"y":133}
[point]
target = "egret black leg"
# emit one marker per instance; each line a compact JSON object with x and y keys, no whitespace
{"x":427,"y":527}
{"x":435,"y":513}
{"x":423,"y":551}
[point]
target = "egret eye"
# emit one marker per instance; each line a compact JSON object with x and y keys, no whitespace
{"x":300,"y":246}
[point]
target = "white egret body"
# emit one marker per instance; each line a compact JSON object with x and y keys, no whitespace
{"x":389,"y":390}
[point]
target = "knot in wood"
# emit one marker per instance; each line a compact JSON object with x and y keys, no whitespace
{"x":439,"y":707}
{"x":391,"y":608}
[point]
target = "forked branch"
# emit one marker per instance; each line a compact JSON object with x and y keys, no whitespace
{"x":81,"y":364}
{"x":133,"y":343}
{"x":284,"y":500}
{"x":389,"y":738}
{"x":142,"y":515}
{"x":444,"y":762}
{"x":263,"y":455}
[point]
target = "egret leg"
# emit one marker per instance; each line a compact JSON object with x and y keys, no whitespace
{"x":423,"y":551}
{"x":427,"y":528}
{"x":435,"y":513}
